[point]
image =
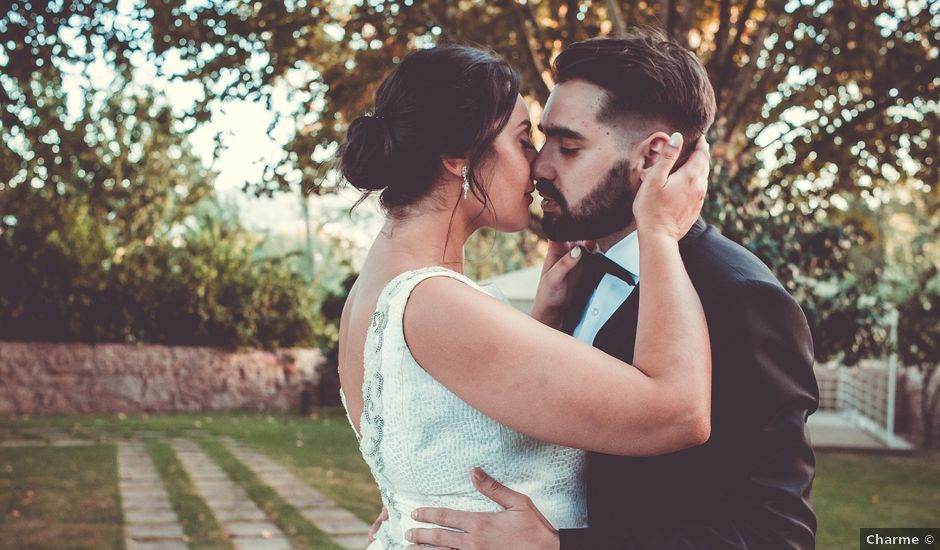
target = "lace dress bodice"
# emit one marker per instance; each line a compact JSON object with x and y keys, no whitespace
{"x":421,"y":440}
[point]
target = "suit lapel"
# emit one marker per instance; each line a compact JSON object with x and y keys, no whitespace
{"x":574,"y":313}
{"x":618,"y":334}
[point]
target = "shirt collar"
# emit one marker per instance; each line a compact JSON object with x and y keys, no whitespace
{"x":626,"y":253}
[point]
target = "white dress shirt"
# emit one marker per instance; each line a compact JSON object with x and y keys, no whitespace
{"x":612,"y":291}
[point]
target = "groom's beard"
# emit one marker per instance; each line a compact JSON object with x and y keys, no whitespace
{"x":604,"y":211}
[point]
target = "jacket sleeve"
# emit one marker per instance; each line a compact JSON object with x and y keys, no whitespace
{"x":768,"y":505}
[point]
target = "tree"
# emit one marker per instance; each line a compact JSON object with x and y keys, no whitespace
{"x":107,"y":232}
{"x":823,"y":106}
{"x":819,"y":103}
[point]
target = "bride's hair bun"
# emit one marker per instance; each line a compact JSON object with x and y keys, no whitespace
{"x":367,"y":153}
{"x":448,"y":101}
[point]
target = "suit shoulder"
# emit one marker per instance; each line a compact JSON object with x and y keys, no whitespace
{"x":718,"y":264}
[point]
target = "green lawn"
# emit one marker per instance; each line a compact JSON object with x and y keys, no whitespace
{"x":59,"y":498}
{"x":854,"y":491}
{"x":74,"y":496}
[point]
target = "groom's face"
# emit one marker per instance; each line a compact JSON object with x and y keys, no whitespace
{"x":583,"y":172}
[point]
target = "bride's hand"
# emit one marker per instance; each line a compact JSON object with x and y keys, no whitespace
{"x":558,"y":280}
{"x":671,"y":203}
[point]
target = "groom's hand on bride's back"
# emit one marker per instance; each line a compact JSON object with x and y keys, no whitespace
{"x":377,"y":524}
{"x":520,"y":526}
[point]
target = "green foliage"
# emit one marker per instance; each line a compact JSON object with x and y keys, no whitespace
{"x":919,"y":328}
{"x":68,"y":281}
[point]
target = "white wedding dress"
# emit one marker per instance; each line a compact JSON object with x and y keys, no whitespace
{"x":421,"y":440}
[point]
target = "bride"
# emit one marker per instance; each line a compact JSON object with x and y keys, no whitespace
{"x":438,"y":376}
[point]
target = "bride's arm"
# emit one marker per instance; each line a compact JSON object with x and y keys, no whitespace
{"x":551,"y":386}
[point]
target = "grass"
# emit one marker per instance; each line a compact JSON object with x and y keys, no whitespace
{"x":59,"y":498}
{"x":850,"y":492}
{"x":196,"y":519}
{"x":855,"y":491}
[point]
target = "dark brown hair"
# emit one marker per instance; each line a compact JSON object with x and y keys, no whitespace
{"x":646,"y":76}
{"x":447,"y":101}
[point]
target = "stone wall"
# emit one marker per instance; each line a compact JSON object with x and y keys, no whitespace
{"x":60,"y":378}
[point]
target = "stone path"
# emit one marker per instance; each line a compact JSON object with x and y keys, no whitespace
{"x":346,"y":529}
{"x":245,"y":523}
{"x":149,"y":520}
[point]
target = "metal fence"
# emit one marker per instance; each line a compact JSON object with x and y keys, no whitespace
{"x":865,"y":393}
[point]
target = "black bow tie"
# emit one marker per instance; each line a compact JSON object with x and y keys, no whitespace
{"x":599,"y":265}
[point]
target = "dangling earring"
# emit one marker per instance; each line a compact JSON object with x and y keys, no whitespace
{"x":466,"y":181}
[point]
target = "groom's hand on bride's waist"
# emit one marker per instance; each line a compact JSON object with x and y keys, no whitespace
{"x":519,"y":526}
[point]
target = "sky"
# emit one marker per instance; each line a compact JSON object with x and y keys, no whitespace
{"x":243,"y":125}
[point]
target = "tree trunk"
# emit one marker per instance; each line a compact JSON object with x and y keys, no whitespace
{"x":616,"y":18}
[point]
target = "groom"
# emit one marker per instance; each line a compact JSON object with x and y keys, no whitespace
{"x":614,"y":105}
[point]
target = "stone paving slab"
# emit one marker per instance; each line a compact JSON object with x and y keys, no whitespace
{"x":149,"y":516}
{"x":255,"y":529}
{"x":141,"y":475}
{"x":147,"y":504}
{"x":262,"y":544}
{"x":309,"y":501}
{"x":155,"y":531}
{"x":239,"y":514}
{"x":134,"y":491}
{"x":246,"y":525}
{"x":156,"y":545}
{"x":73,"y":442}
{"x":342,"y":525}
{"x":149,"y":520}
{"x":352,"y":541}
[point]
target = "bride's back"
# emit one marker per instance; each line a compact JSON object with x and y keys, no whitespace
{"x":378,"y":269}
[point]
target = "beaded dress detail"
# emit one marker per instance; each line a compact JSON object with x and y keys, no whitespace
{"x":420,"y":440}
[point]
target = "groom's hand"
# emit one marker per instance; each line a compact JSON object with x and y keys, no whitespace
{"x":377,"y":524}
{"x":520,"y":526}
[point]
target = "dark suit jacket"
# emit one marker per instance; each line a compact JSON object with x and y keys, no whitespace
{"x":748,"y":486}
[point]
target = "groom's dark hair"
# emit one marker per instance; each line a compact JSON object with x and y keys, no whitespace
{"x":648,"y":78}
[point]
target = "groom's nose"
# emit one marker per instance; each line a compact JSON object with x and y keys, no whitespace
{"x":542,"y":169}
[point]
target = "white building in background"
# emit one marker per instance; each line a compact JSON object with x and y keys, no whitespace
{"x":518,"y":287}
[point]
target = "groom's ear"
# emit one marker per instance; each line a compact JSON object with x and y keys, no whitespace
{"x":650,"y":149}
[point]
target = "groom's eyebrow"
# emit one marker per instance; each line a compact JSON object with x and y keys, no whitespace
{"x":562,"y":132}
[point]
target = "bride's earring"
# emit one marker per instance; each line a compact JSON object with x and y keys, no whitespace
{"x":466,"y":181}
